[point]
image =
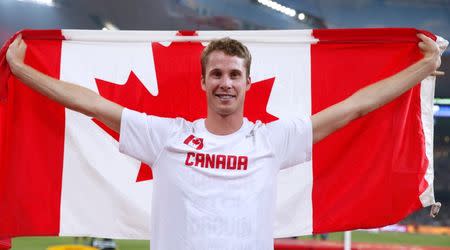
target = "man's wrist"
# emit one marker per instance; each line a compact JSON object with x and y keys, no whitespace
{"x":430,"y":64}
{"x":17,"y":67}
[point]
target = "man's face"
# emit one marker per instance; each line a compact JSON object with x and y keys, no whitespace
{"x":225,"y":83}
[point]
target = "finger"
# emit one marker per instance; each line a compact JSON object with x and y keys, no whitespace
{"x":23,"y":47}
{"x":20,"y":39}
{"x":422,"y":45}
{"x":14,"y":43}
{"x":21,"y":42}
{"x":438,"y":73}
{"x":428,"y":41}
{"x":420,"y":36}
{"x":424,"y":37}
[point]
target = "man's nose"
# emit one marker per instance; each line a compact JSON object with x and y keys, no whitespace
{"x":226,"y":83}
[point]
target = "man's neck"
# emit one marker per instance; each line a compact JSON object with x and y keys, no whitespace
{"x":223,"y":125}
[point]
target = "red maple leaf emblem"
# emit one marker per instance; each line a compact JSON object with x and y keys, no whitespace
{"x":179,"y":93}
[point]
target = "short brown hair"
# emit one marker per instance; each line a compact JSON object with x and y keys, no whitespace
{"x":230,"y":47}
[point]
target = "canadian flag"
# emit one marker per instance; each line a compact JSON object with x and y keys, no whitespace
{"x":61,"y":172}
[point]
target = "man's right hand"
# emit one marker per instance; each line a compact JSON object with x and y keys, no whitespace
{"x":70,"y":95}
{"x":15,"y":55}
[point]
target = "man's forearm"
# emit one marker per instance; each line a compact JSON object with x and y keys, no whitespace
{"x":378,"y":94}
{"x":67,"y":94}
{"x":72,"y":96}
{"x":368,"y":99}
{"x":384,"y":91}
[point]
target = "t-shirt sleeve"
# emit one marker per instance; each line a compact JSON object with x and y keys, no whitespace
{"x":291,"y":140}
{"x":143,"y":136}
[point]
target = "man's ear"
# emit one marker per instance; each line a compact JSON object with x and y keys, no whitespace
{"x":249,"y":83}
{"x":202,"y":82}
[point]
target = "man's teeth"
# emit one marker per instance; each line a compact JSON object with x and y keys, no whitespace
{"x":225,"y":96}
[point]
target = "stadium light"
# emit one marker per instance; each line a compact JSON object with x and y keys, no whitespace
{"x":278,"y":7}
{"x":49,"y":3}
{"x":441,"y":111}
{"x":109,"y":26}
{"x":301,"y":16}
{"x":435,"y":109}
{"x":442,"y":101}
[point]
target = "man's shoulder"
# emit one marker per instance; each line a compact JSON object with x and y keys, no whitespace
{"x":298,"y":122}
{"x":161,"y":122}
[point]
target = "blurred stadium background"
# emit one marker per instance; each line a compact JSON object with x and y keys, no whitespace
{"x":432,"y":15}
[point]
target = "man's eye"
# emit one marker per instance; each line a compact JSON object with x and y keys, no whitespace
{"x":216,"y":74}
{"x":235,"y":75}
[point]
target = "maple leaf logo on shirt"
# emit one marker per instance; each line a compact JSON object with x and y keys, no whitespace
{"x":194,"y":142}
{"x":179,"y":93}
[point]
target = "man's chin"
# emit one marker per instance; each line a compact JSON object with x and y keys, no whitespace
{"x":225,"y":111}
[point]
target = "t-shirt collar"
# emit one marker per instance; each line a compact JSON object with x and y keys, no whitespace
{"x":199,"y":127}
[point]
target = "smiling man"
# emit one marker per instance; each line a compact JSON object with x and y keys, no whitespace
{"x":225,"y":79}
{"x":215,"y":178}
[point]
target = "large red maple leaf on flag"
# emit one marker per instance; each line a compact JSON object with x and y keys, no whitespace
{"x":178,"y":74}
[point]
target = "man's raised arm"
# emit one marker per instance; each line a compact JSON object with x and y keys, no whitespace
{"x":377,"y":94}
{"x":72,"y":96}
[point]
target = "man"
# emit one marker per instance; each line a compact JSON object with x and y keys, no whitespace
{"x":215,"y":178}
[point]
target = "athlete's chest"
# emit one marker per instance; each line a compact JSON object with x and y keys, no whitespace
{"x":236,"y":155}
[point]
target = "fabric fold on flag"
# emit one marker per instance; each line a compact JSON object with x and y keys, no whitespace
{"x":5,"y":71}
{"x":5,"y":243}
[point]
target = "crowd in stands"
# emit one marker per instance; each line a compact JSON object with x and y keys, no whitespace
{"x":441,"y":188}
{"x":442,"y":168}
{"x":422,"y":217}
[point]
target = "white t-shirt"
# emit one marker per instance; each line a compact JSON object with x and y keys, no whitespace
{"x":210,"y":191}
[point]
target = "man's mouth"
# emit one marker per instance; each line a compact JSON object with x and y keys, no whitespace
{"x":225,"y":96}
